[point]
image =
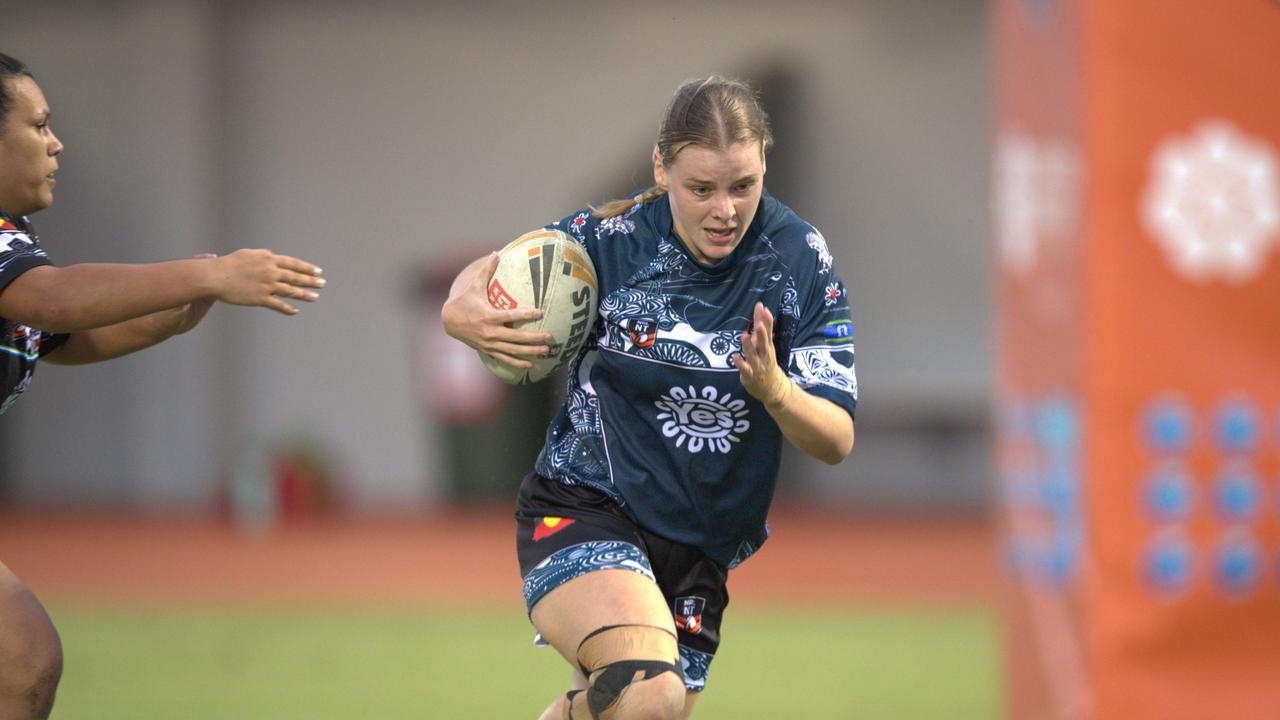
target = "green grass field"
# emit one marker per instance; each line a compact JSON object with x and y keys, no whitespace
{"x":131,"y":662}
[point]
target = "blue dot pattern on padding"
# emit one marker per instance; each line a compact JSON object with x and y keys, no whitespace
{"x":1169,"y":562}
{"x":575,"y":560}
{"x":1238,"y":495}
{"x":1169,"y":494}
{"x":1169,"y":425}
{"x":1238,"y":562}
{"x":1237,"y":426}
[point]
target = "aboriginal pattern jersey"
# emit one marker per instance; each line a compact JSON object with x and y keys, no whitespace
{"x":20,"y":346}
{"x":655,"y":415}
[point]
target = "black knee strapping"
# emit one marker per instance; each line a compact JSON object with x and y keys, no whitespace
{"x":612,"y":679}
{"x":616,"y":656}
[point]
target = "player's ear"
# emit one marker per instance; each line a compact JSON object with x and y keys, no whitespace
{"x":659,"y":172}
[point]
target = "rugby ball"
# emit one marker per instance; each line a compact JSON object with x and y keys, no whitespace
{"x":551,"y":271}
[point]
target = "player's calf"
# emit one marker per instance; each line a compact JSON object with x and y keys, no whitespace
{"x":633,"y":673}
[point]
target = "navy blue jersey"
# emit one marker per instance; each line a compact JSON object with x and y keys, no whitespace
{"x":20,"y":346}
{"x":655,"y":415}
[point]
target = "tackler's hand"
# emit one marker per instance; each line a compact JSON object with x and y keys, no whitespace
{"x":262,"y":278}
{"x":469,"y":316}
{"x":757,"y":364}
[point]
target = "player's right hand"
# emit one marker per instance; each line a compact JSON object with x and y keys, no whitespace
{"x":468,"y":316}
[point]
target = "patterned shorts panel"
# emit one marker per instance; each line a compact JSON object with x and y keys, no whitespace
{"x":567,"y":564}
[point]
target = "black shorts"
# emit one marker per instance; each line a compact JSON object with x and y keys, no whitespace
{"x":563,"y":531}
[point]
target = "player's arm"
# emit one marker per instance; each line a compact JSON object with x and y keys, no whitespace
{"x":129,"y":336}
{"x":76,"y":298}
{"x":468,"y":316}
{"x":816,"y":425}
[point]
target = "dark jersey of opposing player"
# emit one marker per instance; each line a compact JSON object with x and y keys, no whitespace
{"x":20,"y":346}
{"x":655,"y":414}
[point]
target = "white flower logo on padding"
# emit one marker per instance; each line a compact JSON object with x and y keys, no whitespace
{"x":1211,"y":202}
{"x":707,"y":420}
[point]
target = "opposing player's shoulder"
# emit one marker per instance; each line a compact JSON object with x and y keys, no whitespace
{"x":16,"y":236}
{"x":19,"y":249}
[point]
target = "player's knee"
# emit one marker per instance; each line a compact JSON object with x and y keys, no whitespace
{"x":658,"y":698}
{"x":633,"y":673}
{"x":30,"y":662}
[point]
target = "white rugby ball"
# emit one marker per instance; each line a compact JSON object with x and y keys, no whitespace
{"x":548,"y":270}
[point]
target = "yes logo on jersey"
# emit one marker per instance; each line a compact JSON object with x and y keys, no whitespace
{"x":688,"y":613}
{"x":707,"y":420}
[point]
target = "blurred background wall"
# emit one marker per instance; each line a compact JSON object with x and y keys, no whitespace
{"x":390,"y":142}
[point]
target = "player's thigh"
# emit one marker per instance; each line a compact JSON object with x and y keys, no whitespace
{"x":588,"y":602}
{"x":569,"y":613}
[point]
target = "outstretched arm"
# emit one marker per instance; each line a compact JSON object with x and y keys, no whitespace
{"x":817,"y":426}
{"x":468,"y":316}
{"x":76,"y":298}
{"x":129,"y":336}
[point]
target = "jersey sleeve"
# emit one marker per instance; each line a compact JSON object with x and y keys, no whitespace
{"x":49,"y":343}
{"x":821,"y":353}
{"x":19,"y":252}
{"x":580,"y":226}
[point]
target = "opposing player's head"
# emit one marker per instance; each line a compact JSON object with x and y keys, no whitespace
{"x":28,"y":147}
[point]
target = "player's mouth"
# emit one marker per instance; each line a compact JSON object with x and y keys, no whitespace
{"x":720,"y":236}
{"x":50,"y":178}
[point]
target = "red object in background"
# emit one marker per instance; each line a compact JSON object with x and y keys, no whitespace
{"x":302,"y":482}
{"x":290,"y":496}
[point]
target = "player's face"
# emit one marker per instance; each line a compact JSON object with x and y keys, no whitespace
{"x":714,"y":195}
{"x":28,"y":150}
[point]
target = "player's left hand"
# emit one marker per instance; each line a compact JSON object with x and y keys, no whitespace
{"x":757,"y":364}
{"x":182,"y":318}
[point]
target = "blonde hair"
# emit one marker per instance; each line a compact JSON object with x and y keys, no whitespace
{"x":714,"y":112}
